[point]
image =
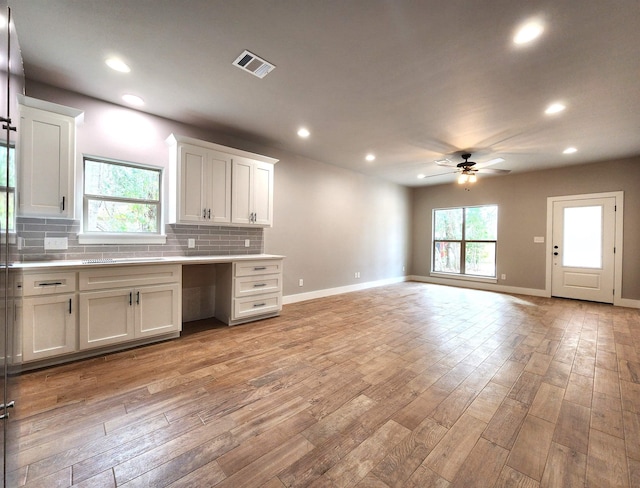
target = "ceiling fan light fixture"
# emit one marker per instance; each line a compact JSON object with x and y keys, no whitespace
{"x":555,"y":108}
{"x":528,"y":32}
{"x":463,"y":178}
{"x":117,"y":64}
{"x":473,"y":178}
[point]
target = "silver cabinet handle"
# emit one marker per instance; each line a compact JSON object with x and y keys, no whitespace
{"x":137,"y":298}
{"x":70,"y":309}
{"x":51,"y":283}
{"x":259,"y":305}
{"x":204,"y":213}
{"x":259,"y":285}
{"x":62,"y":205}
{"x":209,"y":214}
{"x":259,"y":268}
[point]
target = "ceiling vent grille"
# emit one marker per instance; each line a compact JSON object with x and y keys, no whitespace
{"x":253,"y":64}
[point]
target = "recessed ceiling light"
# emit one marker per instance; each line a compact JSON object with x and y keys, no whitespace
{"x":569,"y":150}
{"x":554,"y":108}
{"x":117,"y":64}
{"x":370,"y":157}
{"x":133,"y":100}
{"x":421,"y":176}
{"x":528,"y":32}
{"x":304,"y":133}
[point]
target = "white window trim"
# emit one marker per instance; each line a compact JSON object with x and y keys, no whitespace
{"x":122,"y":238}
{"x":459,"y":276}
{"x":104,"y":238}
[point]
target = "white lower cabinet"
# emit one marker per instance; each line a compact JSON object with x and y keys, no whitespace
{"x":49,"y":314}
{"x":49,"y":326}
{"x":248,"y":290}
{"x":116,"y":304}
{"x":113,"y":316}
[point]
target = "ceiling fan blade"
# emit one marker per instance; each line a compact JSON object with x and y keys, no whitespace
{"x":440,"y":174}
{"x":494,"y":171}
{"x":490,"y":162}
{"x":445,"y":162}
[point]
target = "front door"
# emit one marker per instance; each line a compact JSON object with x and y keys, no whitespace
{"x":583,"y":242}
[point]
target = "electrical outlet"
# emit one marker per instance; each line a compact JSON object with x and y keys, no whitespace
{"x":56,"y":243}
{"x":300,"y":282}
{"x":357,"y":274}
{"x":503,"y":276}
{"x":247,"y":243}
{"x":191,"y":243}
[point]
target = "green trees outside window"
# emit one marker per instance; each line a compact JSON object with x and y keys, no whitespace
{"x":464,"y":240}
{"x":7,"y":187}
{"x":121,"y":197}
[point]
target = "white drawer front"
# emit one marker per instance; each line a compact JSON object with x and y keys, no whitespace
{"x":259,"y":305}
{"x":254,"y":268}
{"x":250,"y":285}
{"x":48,"y":283}
{"x":129,"y":276}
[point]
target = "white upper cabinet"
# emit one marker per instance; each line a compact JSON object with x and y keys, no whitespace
{"x":200,"y":184}
{"x":217,"y":185}
{"x":252,"y":192}
{"x":47,"y":156}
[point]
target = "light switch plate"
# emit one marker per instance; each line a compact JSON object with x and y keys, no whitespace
{"x":538,"y":239}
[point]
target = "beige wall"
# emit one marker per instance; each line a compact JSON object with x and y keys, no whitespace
{"x":332,"y":223}
{"x":328,"y":222}
{"x":522,"y":201}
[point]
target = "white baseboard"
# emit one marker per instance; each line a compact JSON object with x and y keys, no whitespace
{"x":311,"y":295}
{"x":479,"y":285}
{"x":627,"y":302}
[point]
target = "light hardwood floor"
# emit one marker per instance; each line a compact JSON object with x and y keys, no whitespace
{"x":410,"y":385}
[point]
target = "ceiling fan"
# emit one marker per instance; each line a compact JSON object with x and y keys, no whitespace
{"x":467,"y":169}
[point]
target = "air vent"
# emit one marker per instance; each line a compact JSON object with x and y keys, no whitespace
{"x":253,"y":64}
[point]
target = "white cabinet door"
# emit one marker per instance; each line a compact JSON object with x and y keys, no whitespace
{"x":106,"y":317}
{"x":242,"y":181}
{"x":47,"y":170}
{"x":191,"y":192}
{"x":218,"y":178}
{"x":49,"y":326}
{"x":157,"y":310}
{"x":263,"y":193}
{"x":252,"y":190}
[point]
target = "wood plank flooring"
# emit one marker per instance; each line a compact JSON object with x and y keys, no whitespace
{"x":408,"y":385}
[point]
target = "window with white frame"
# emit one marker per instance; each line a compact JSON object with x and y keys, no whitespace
{"x":465,"y":240}
{"x":7,"y":187}
{"x":121,"y":198}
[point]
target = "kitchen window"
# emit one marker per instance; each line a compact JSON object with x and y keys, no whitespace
{"x":7,"y":188}
{"x":465,"y":241}
{"x":121,"y":202}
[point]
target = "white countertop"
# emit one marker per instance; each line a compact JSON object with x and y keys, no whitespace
{"x":143,"y":260}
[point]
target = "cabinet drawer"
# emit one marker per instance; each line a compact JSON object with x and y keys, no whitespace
{"x":48,"y":283}
{"x":259,"y":305}
{"x":129,"y":276}
{"x":254,"y":268}
{"x":250,"y":285}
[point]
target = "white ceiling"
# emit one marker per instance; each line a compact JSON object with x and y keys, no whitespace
{"x":411,"y":81}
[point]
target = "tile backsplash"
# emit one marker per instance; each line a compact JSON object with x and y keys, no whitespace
{"x":209,"y":241}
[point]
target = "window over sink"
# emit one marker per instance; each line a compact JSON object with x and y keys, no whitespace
{"x":121,"y":202}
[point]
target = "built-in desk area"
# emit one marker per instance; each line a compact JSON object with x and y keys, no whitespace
{"x":66,"y":310}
